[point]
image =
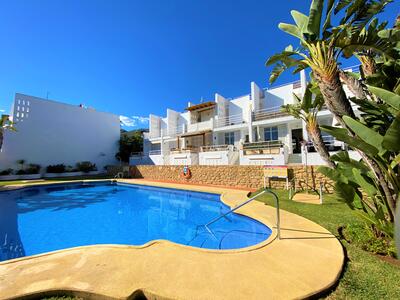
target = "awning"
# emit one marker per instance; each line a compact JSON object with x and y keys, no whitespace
{"x":204,"y":105}
{"x":189,"y":134}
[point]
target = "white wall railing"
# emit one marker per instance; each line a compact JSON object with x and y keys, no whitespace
{"x":201,"y":126}
{"x":212,"y":148}
{"x":229,"y":120}
{"x":268,"y":113}
{"x":174,"y":131}
{"x":155,"y":152}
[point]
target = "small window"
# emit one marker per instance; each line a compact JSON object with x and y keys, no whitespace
{"x":229,"y":138}
{"x":271,"y":133}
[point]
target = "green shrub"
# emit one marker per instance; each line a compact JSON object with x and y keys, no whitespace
{"x":60,"y":168}
{"x":32,"y":169}
{"x":86,"y":166}
{"x":364,"y":238}
{"x":6,"y":172}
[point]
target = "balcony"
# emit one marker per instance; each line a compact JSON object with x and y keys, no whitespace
{"x":184,"y":157}
{"x":201,"y":126}
{"x":166,"y":132}
{"x":268,"y":113}
{"x":264,"y":147}
{"x":272,"y":153}
{"x":230,"y":120}
{"x":218,"y":155}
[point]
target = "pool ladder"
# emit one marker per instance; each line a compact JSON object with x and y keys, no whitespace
{"x":278,"y":221}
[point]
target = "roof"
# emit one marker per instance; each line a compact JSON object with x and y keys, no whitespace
{"x":188,"y":134}
{"x":208,"y":104}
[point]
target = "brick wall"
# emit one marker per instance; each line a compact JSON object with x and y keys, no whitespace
{"x":235,"y":176}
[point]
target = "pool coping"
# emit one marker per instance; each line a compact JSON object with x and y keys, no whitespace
{"x":306,"y":261}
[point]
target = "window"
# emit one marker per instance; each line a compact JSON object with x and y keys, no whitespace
{"x":271,"y":133}
{"x":229,"y":138}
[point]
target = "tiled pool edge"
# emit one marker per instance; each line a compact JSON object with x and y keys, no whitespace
{"x":227,"y":273}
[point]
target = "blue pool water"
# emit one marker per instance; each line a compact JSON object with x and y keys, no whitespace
{"x":42,"y":219}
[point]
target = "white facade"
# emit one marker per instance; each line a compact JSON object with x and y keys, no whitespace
{"x":247,"y":130}
{"x":50,"y":132}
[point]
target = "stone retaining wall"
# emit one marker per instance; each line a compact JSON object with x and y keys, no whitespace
{"x":235,"y":176}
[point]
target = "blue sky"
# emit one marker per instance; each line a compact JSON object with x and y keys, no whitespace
{"x":133,"y":58}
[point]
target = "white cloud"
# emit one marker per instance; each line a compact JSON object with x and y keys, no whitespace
{"x":2,"y":110}
{"x":134,"y":121}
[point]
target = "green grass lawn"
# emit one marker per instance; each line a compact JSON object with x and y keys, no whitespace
{"x":366,"y":276}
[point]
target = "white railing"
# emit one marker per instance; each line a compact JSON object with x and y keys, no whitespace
{"x":268,"y":113}
{"x":136,"y":154}
{"x":211,"y":148}
{"x":174,"y":131}
{"x":201,"y":126}
{"x":330,"y":142}
{"x":263,"y":147}
{"x":155,"y":152}
{"x":230,"y":120}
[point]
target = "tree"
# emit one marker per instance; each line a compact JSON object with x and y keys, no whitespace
{"x":130,"y":142}
{"x":375,"y":134}
{"x":5,"y":124}
{"x":307,"y":110}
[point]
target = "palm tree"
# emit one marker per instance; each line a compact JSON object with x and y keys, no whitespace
{"x":321,"y":44}
{"x":307,"y":110}
{"x":5,"y":124}
{"x":320,"y":47}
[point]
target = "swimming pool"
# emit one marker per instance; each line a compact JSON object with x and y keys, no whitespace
{"x":40,"y":219}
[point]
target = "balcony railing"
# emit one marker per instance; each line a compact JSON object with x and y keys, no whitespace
{"x":212,"y":148}
{"x":230,"y":120}
{"x":174,"y":131}
{"x":155,"y":152}
{"x":264,"y":147}
{"x":330,"y":142}
{"x":137,"y":154}
{"x":268,"y":113}
{"x":201,"y":126}
{"x":184,"y":150}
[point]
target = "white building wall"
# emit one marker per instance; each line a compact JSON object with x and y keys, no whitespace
{"x":239,"y":106}
{"x":50,"y":132}
{"x":256,"y":97}
{"x":278,"y":96}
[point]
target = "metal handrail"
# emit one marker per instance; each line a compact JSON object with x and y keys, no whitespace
{"x":278,"y":220}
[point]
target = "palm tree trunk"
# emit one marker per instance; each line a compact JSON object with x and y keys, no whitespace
{"x":368,"y":64}
{"x":316,"y":138}
{"x":334,"y":96}
{"x":338,"y":104}
{"x":353,"y":84}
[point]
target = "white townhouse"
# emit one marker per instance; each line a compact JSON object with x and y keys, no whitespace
{"x":247,"y":130}
{"x":50,"y":132}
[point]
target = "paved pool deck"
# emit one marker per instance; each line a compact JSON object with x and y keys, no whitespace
{"x":305,"y":261}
